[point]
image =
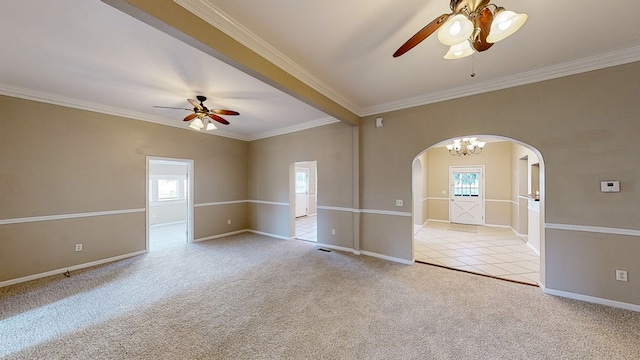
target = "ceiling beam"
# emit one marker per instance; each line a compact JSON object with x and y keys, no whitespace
{"x":176,"y":21}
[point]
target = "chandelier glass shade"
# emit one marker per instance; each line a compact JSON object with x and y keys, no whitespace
{"x":466,"y":146}
{"x":459,"y":51}
{"x":504,"y":24}
{"x":199,"y":123}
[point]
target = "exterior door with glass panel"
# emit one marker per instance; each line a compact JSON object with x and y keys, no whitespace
{"x":466,"y":195}
{"x":302,"y":192}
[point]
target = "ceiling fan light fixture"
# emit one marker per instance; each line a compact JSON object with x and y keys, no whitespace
{"x":455,"y":30}
{"x":458,"y":51}
{"x":211,"y":126}
{"x":504,"y":24}
{"x":197,"y":124}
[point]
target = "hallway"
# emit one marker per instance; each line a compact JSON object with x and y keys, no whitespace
{"x":483,"y":250}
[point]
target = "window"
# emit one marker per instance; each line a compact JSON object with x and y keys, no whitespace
{"x":302,"y":179}
{"x":466,"y":184}
{"x":167,"y":189}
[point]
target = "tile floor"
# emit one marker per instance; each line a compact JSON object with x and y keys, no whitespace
{"x":489,"y":251}
{"x":307,"y":228}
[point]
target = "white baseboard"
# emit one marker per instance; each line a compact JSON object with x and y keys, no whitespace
{"x":498,"y":226}
{"x":591,"y":299}
{"x":339,"y":248}
{"x":366,"y":253}
{"x":220,"y":235}
{"x":533,"y":248}
{"x":70,"y":268}
{"x":522,"y":236}
{"x":385,"y":257}
{"x":436,"y":220}
{"x":271,"y":235}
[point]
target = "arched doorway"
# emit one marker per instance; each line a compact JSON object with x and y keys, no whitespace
{"x":513,"y":217}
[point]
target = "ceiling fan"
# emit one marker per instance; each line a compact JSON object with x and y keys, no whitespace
{"x":202,"y":116}
{"x":474,"y":23}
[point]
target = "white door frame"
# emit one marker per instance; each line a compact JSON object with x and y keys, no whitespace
{"x":190,"y":206}
{"x":482,"y":189}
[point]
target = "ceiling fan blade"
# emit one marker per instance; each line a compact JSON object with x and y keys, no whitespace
{"x":483,"y":22}
{"x":422,"y":34}
{"x":190,"y":117}
{"x":225,"y":112}
{"x":195,"y":104}
{"x":218,"y":119}
{"x":168,"y":107}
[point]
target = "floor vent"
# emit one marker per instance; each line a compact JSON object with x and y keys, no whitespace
{"x":325,"y":250}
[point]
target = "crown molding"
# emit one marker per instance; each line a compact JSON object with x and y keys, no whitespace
{"x":598,"y":62}
{"x":109,"y":110}
{"x":210,"y":13}
{"x":219,"y":19}
{"x":294,"y":128}
{"x":103,"y":109}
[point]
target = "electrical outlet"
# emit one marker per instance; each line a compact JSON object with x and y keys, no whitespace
{"x":399,"y":202}
{"x":333,"y":231}
{"x":621,"y":275}
{"x":78,"y":247}
{"x":229,"y":221}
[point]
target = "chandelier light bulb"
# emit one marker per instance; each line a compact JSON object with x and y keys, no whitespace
{"x":455,"y":30}
{"x":505,"y":25}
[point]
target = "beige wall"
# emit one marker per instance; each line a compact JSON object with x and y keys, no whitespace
{"x":73,"y":161}
{"x":496,"y":159}
{"x":271,"y":166}
{"x":58,"y":161}
{"x":582,"y":125}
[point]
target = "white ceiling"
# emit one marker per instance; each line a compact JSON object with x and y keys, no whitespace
{"x":86,"y":54}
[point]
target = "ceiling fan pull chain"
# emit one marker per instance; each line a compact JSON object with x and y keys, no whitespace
{"x":473,"y":65}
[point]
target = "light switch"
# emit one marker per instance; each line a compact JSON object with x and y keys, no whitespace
{"x":399,"y":202}
{"x":610,"y":186}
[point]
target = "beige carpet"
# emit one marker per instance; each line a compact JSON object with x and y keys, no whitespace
{"x":253,"y":297}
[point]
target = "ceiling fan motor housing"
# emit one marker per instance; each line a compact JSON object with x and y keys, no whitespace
{"x":471,"y":5}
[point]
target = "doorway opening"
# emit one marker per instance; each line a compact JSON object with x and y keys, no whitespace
{"x":169,"y":203}
{"x":482,"y":213}
{"x":306,"y":200}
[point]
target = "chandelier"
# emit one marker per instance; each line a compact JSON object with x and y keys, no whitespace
{"x":472,"y":25}
{"x":466,"y":146}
